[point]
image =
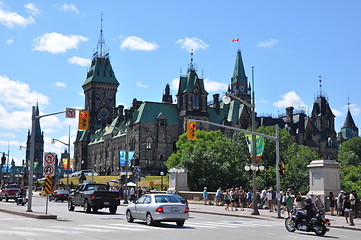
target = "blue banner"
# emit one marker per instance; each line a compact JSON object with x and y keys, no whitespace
{"x":123,"y":154}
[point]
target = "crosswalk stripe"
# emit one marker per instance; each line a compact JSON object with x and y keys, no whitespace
{"x":40,"y":230}
{"x":6,"y":232}
{"x":114,"y":228}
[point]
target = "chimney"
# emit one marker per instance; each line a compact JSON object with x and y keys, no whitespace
{"x":289,"y":114}
{"x":216,"y":100}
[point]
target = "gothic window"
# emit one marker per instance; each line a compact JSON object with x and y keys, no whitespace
{"x":327,"y":123}
{"x":196,"y":99}
{"x":148,"y":143}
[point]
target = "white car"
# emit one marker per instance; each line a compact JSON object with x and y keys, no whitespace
{"x":156,"y":208}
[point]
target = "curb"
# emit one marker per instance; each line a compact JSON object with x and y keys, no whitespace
{"x":36,"y":215}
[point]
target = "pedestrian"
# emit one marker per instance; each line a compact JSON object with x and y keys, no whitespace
{"x":205,"y":195}
{"x":346,"y":206}
{"x":340,"y":199}
{"x":332,"y":200}
{"x":289,"y":203}
{"x":263,"y":197}
{"x":269,"y":197}
{"x":320,"y":207}
{"x":298,"y":200}
{"x":218,"y":196}
{"x":353,"y":203}
{"x":227,"y":200}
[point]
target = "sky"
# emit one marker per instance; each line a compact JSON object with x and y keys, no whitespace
{"x":46,"y":48}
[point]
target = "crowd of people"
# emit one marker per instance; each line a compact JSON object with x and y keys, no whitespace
{"x":234,"y":199}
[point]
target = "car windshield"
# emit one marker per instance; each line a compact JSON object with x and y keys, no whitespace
{"x":62,"y":192}
{"x":14,"y":187}
{"x":166,"y":199}
{"x":96,"y":187}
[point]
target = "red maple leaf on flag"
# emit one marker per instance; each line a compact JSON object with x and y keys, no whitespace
{"x":235,"y":40}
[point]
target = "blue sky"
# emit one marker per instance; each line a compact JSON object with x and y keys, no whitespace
{"x":46,"y":47}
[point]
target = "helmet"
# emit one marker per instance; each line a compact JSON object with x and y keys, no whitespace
{"x":308,"y":200}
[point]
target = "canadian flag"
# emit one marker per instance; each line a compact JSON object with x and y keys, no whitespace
{"x":235,"y":40}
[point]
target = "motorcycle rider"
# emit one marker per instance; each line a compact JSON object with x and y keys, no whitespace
{"x":310,"y":211}
{"x":20,"y":194}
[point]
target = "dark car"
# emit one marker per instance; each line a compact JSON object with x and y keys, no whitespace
{"x":59,"y":195}
{"x":183,"y":200}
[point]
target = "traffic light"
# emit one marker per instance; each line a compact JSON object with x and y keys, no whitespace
{"x":83,"y":123}
{"x":281,"y":168}
{"x":191,"y":130}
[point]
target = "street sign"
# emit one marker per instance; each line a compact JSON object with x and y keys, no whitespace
{"x":49,"y":164}
{"x":49,"y":158}
{"x":48,"y":185}
{"x":70,"y":113}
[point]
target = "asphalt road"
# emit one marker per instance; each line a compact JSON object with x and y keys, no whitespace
{"x":79,"y":225}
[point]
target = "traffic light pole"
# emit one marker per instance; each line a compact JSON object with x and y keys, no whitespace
{"x":34,"y":117}
{"x":274,"y":138}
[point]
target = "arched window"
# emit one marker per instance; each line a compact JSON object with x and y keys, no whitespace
{"x":148,"y":143}
{"x":196,"y":98}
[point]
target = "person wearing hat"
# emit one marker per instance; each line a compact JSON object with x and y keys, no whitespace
{"x":353,"y":202}
{"x":340,"y":198}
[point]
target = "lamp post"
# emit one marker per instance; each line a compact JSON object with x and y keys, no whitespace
{"x":68,"y":159}
{"x":161,"y":180}
{"x":226,"y":100}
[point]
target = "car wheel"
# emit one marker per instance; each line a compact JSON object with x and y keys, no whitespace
{"x":180,"y":223}
{"x":55,"y":199}
{"x":70,"y":205}
{"x":6,"y":198}
{"x":113,"y":209}
{"x":1,"y":199}
{"x":129,"y":216}
{"x":95,"y":209}
{"x":87,"y":207}
{"x":149,"y":219}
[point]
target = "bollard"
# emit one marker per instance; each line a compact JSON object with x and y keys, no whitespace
{"x":351,"y":219}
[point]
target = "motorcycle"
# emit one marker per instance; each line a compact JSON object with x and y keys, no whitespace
{"x":21,"y":200}
{"x":317,"y":224}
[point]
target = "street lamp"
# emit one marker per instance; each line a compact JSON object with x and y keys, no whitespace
{"x":227,"y":100}
{"x":161,"y":180}
{"x":68,"y":159}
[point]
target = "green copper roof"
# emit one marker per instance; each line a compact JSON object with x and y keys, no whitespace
{"x":238,"y":73}
{"x":188,"y":83}
{"x":101,"y":72}
{"x":148,"y":112}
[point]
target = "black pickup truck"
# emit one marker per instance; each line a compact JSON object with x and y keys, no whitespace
{"x":94,"y":196}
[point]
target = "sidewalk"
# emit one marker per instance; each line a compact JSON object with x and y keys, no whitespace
{"x":335,"y":221}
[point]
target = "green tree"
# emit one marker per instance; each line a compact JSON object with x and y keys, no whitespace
{"x":296,"y":159}
{"x":212,"y":160}
{"x":350,"y":152}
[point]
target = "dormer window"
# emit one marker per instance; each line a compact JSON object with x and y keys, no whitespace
{"x":195,"y":99}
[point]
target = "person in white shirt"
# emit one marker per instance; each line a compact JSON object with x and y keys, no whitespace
{"x":263,"y":197}
{"x":269,"y":200}
{"x":353,"y":202}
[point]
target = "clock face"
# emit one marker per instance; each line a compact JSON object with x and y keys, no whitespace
{"x":110,"y":98}
{"x":241,"y":89}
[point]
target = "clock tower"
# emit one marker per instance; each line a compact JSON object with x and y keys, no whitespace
{"x":239,"y":81}
{"x":100,"y":88}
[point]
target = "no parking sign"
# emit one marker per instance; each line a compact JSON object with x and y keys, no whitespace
{"x":49,"y":164}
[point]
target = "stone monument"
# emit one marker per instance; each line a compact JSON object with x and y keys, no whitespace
{"x":178,"y":179}
{"x":324,"y":178}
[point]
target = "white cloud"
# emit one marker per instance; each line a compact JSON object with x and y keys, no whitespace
{"x":57,"y":43}
{"x":212,"y":86}
{"x":69,"y":8}
{"x":264,"y":101}
{"x":60,"y":84}
{"x":12,"y":19}
{"x":355,"y":110}
{"x":79,"y":61}
{"x":175,"y":84}
{"x":192,"y":43}
{"x":9,"y":41}
{"x":336,"y":112}
{"x":268,"y":43}
{"x":12,"y":91}
{"x":289,"y":99}
{"x":137,"y":43}
{"x":139,"y":84}
{"x":32,"y":9}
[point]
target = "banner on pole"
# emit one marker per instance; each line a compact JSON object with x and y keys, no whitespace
{"x":123,"y":160}
{"x":259,"y":146}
